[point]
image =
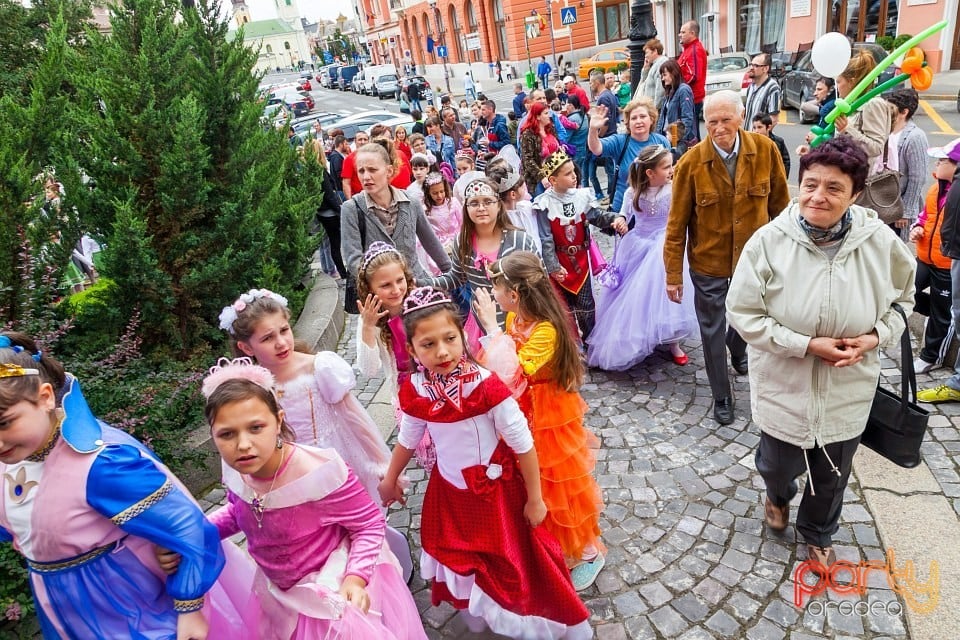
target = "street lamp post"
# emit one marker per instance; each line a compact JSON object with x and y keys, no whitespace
{"x":641,"y":30}
{"x":439,"y":23}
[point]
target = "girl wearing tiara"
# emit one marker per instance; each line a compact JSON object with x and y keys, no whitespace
{"x":486,"y":236}
{"x":324,"y":570}
{"x":619,"y":341}
{"x":483,"y":548}
{"x":515,"y":197}
{"x":86,"y":503}
{"x":539,"y":359}
{"x":444,"y":213}
{"x":314,"y":391}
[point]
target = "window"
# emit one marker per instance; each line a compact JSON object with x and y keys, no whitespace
{"x":472,"y":21}
{"x":761,"y":24}
{"x":864,"y":21}
{"x":501,"y":26}
{"x":456,"y":52}
{"x":269,"y":49}
{"x":286,"y":45}
{"x":613,"y":22}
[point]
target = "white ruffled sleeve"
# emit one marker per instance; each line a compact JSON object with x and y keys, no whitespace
{"x":334,"y":377}
{"x":512,"y":426}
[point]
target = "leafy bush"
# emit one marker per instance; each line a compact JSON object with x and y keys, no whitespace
{"x":15,"y":600}
{"x":899,"y":40}
{"x":886,"y":42}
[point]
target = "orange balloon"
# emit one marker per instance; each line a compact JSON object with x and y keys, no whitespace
{"x":922,"y":79}
{"x":912,"y":61}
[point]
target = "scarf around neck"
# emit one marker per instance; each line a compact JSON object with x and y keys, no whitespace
{"x":833,"y":234}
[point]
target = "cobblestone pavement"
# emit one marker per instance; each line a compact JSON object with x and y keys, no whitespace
{"x":689,"y":556}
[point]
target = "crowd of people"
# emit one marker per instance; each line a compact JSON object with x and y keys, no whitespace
{"x":482,"y":297}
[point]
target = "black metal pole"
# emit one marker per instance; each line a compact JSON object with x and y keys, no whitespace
{"x":641,"y":30}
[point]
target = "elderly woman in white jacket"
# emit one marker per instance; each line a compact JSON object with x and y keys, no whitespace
{"x":812,"y":296}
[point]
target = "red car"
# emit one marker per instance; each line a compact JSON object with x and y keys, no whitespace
{"x":305,"y":85}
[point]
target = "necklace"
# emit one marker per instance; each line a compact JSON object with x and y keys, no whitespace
{"x":259,"y":502}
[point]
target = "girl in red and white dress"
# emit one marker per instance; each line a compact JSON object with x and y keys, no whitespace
{"x":483,"y":547}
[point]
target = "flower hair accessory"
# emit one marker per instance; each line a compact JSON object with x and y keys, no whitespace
{"x":229,"y":314}
{"x":421,"y":156}
{"x":553,"y":162}
{"x":375,"y":249}
{"x":6,"y":343}
{"x":423,"y":297}
{"x":434,"y":177}
{"x":465,"y":153}
{"x":479,"y":188}
{"x":236,"y":369}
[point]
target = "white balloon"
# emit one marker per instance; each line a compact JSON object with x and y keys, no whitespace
{"x":831,"y":54}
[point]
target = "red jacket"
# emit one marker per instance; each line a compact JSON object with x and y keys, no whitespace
{"x":693,"y":66}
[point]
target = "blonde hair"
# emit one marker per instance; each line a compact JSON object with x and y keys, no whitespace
{"x":366,"y":271}
{"x":645,"y":102}
{"x":861,"y":63}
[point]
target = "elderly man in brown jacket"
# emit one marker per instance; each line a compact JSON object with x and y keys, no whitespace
{"x":724,"y":189}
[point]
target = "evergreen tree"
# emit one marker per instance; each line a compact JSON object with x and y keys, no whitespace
{"x":197,"y":201}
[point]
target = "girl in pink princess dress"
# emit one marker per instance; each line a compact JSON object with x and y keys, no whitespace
{"x":314,"y":391}
{"x":324,"y":569}
{"x":85,"y":504}
{"x":483,"y":547}
{"x":445,"y":214}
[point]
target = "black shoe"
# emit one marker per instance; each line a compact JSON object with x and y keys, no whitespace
{"x":723,"y":410}
{"x":740,"y":365}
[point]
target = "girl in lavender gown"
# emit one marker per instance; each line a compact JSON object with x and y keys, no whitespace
{"x":324,"y":568}
{"x":314,"y":391}
{"x":636,"y":316}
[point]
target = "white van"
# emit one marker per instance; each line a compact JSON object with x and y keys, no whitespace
{"x":372,"y":72}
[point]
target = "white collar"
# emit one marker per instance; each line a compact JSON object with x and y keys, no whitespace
{"x":723,"y":154}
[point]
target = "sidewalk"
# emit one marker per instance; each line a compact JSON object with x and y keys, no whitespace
{"x":688,"y":554}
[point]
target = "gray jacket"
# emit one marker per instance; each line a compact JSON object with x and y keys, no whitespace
{"x":795,"y":396}
{"x":412,"y":225}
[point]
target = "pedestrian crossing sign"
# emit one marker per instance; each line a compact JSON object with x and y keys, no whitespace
{"x":568,"y":15}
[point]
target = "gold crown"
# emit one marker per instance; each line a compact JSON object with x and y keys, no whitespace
{"x":553,"y":163}
{"x":10,"y":370}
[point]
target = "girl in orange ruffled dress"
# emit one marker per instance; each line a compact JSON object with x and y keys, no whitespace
{"x":539,"y":360}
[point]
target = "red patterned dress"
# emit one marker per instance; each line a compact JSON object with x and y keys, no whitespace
{"x":478,"y":550}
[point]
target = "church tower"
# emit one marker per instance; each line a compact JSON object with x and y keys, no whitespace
{"x":288,"y":11}
{"x":240,"y":12}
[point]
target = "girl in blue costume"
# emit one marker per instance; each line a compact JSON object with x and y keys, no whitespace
{"x":84,"y":503}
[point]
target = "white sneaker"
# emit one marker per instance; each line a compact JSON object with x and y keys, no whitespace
{"x":922,"y":366}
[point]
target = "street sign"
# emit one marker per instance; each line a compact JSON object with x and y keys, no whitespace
{"x":562,"y":32}
{"x":472,"y":41}
{"x":442,"y":51}
{"x":327,"y":57}
{"x":531,"y":27}
{"x":568,"y":15}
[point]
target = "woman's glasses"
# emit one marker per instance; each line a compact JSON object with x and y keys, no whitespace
{"x":475,"y":205}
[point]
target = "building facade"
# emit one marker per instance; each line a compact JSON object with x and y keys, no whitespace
{"x":484,"y":31}
{"x":281,"y":42}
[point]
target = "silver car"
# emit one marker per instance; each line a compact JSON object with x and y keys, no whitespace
{"x":386,"y":86}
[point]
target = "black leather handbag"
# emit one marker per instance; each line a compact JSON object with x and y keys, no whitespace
{"x":896,"y":425}
{"x":350,"y":295}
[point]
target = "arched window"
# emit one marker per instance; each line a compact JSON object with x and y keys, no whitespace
{"x":455,"y":44}
{"x":501,"y":26}
{"x":419,"y":44}
{"x":286,"y":45}
{"x":474,"y":28}
{"x":269,"y":49}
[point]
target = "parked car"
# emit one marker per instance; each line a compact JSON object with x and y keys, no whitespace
{"x":356,"y":85}
{"x":606,"y":60}
{"x":426,"y":93}
{"x":387,"y":86}
{"x":306,"y":74}
{"x":328,"y":77}
{"x":324,"y":118}
{"x":799,"y":81}
{"x":361,"y":122}
{"x":728,"y":71}
{"x":304,"y":85}
{"x":297,"y":105}
{"x":345,"y":76}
